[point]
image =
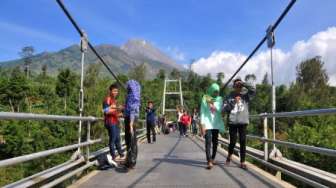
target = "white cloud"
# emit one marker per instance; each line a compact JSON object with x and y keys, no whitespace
{"x":320,"y":44}
{"x":186,"y":66}
{"x":176,"y":53}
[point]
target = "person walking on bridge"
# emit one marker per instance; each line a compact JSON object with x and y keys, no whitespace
{"x":194,"y":126}
{"x":211,"y":121}
{"x":185,"y":121}
{"x":179,"y":123}
{"x":131,"y":118}
{"x":111,"y":119}
{"x":150,"y":122}
{"x":236,"y":105}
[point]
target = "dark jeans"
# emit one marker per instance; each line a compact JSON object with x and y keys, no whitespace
{"x":194,"y":127}
{"x":180,"y":126}
{"x":241,"y":129}
{"x":114,"y":139}
{"x":131,"y":143}
{"x":184,"y":129}
{"x":211,"y":135}
{"x":151,"y":128}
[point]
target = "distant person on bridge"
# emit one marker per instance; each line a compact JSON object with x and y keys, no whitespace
{"x":236,"y":105}
{"x":185,"y":122}
{"x":131,"y":118}
{"x":179,"y":123}
{"x":194,"y":127}
{"x":162,"y":123}
{"x":150,"y":122}
{"x":112,"y":112}
{"x":211,"y":121}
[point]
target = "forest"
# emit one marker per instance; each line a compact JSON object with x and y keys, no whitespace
{"x":24,"y":91}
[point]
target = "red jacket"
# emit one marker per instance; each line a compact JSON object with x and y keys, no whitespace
{"x":112,"y":117}
{"x":185,"y":120}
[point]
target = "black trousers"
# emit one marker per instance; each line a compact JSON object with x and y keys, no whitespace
{"x":150,"y":129}
{"x":241,"y":129}
{"x":180,"y":126}
{"x":184,"y":129}
{"x":211,"y":135}
{"x":131,"y":143}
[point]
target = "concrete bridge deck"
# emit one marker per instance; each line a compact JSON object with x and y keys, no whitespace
{"x":179,"y":162}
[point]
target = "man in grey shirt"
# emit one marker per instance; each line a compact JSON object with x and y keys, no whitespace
{"x":236,"y":106}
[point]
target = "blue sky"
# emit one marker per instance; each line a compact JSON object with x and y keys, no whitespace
{"x":185,"y":29}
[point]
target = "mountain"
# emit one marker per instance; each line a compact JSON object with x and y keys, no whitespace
{"x":120,"y":59}
{"x":141,"y":49}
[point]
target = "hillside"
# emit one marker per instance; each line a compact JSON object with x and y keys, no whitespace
{"x":120,"y":59}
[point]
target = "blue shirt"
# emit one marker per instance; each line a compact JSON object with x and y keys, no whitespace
{"x":150,"y":117}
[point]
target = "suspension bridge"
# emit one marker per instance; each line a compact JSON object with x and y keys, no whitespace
{"x":173,"y":161}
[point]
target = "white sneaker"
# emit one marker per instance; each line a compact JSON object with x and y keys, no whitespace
{"x":111,"y":161}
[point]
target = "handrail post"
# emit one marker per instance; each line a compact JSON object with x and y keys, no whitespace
{"x":265,"y":136}
{"x":88,"y":139}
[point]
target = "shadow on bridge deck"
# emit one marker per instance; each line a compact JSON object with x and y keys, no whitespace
{"x":178,"y":162}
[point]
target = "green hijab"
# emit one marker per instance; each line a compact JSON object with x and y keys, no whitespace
{"x":212,"y":120}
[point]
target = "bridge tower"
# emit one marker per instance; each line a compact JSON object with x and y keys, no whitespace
{"x":169,"y":93}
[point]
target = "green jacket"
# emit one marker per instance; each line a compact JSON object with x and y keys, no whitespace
{"x":212,"y":120}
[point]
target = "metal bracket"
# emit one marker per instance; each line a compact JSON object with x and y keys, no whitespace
{"x":270,"y":37}
{"x":275,"y":153}
{"x":76,"y":155}
{"x":84,"y":42}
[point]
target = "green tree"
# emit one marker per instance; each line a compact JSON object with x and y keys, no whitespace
{"x":250,"y":78}
{"x":27,"y":53}
{"x":265,"y":80}
{"x":15,"y":90}
{"x":175,"y":74}
{"x":220,"y":78}
{"x":161,"y":74}
{"x":311,"y":76}
{"x":91,"y":79}
{"x":65,"y":85}
{"x":206,"y":82}
{"x":44,"y":70}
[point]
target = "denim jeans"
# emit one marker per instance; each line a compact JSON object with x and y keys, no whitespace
{"x":114,"y":139}
{"x":194,"y":127}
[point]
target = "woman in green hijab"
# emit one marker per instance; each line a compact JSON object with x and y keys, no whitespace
{"x":211,"y":121}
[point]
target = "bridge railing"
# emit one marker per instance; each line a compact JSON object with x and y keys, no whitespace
{"x":78,"y":162}
{"x":274,"y":159}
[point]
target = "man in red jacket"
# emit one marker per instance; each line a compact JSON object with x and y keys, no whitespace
{"x":185,"y":121}
{"x":112,"y":113}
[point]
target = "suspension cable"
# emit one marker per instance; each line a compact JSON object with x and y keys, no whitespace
{"x":284,"y":13}
{"x":81,"y":33}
